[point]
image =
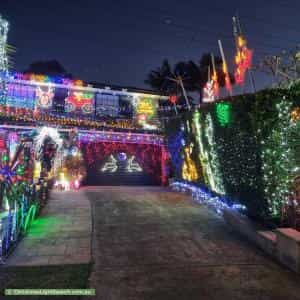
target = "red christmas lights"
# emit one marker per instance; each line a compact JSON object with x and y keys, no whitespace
{"x":151,"y":158}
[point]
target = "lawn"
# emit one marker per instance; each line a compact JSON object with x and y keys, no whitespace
{"x":46,"y":277}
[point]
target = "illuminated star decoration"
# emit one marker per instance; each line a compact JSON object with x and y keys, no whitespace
{"x":243,"y":58}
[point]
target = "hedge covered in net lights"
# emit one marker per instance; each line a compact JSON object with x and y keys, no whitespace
{"x":246,"y":147}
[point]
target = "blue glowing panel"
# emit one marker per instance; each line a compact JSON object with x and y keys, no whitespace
{"x":107,"y":105}
{"x":21,"y":96}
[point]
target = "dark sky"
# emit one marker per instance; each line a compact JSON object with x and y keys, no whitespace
{"x":120,"y":41}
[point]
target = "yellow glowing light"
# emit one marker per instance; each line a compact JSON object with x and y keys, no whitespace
{"x":189,"y":170}
{"x":295,"y":114}
{"x":241,"y":41}
{"x":37,"y":170}
{"x":146,"y":107}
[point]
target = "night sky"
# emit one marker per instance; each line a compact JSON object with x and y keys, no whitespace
{"x":119,"y":42}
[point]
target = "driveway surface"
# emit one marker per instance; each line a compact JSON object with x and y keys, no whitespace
{"x":152,"y":243}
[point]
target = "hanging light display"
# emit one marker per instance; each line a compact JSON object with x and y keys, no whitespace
{"x":243,"y":57}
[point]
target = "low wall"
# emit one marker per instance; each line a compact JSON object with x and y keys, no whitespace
{"x":283,"y":244}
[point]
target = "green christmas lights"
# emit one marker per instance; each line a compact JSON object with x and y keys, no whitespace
{"x":223,"y":113}
{"x":257,"y":157}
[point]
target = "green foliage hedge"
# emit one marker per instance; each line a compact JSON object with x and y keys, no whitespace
{"x":248,"y":144}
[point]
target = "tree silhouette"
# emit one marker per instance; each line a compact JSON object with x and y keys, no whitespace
{"x":48,"y":67}
{"x":194,"y":75}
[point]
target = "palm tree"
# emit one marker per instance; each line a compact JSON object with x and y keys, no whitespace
{"x":168,"y":80}
{"x":185,"y":76}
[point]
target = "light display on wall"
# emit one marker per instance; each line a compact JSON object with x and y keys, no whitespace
{"x":146,"y":112}
{"x":79,"y":102}
{"x":114,"y":163}
{"x":21,"y":96}
{"x":122,"y":137}
{"x":146,"y":107}
{"x":107,"y":105}
{"x":44,"y":97}
{"x":148,"y":156}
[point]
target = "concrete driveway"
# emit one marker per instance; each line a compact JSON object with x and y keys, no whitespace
{"x":152,"y":243}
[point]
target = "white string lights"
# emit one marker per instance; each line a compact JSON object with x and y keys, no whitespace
{"x":3,"y":58}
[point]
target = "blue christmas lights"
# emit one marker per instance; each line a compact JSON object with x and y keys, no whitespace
{"x":204,"y":196}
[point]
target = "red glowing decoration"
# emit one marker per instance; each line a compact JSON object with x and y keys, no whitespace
{"x":78,"y":100}
{"x":243,"y":60}
{"x":151,"y":158}
{"x":173,"y":99}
